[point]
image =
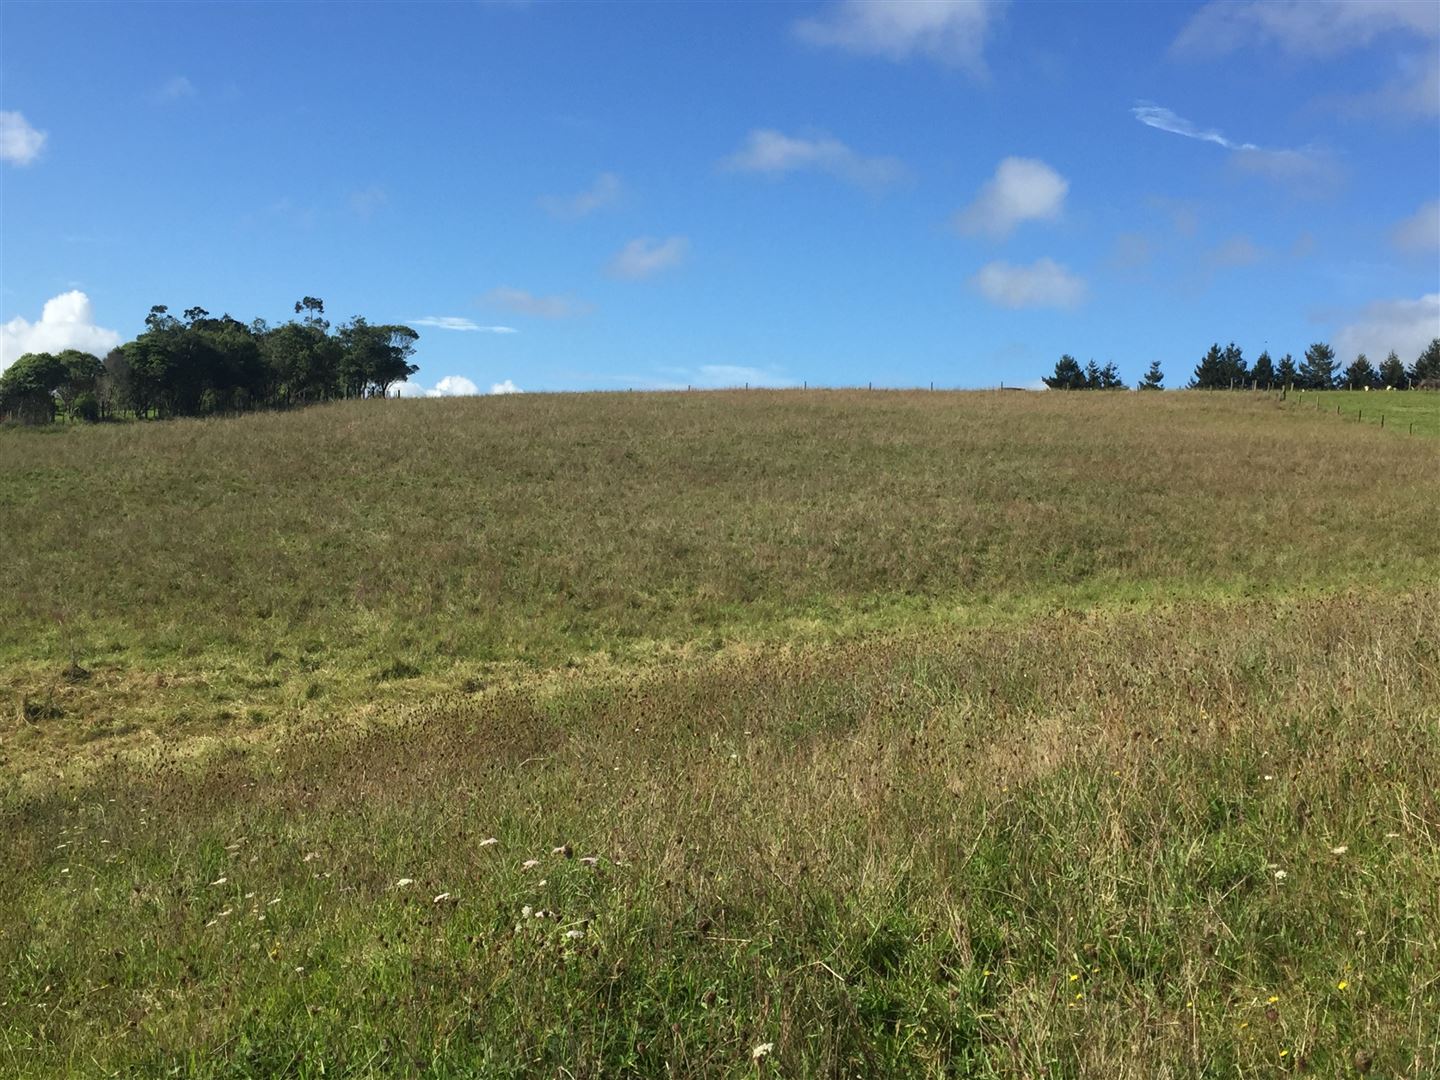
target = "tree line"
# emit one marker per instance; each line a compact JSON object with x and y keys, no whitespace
{"x":199,"y":365}
{"x":1227,"y":369}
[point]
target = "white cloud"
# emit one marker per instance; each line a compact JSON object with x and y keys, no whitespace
{"x":605,"y":191}
{"x":20,"y":144}
{"x":542,"y":307}
{"x":1304,"y":168}
{"x":1407,"y":326}
{"x":66,"y":322}
{"x":1044,"y":283}
{"x":455,"y":322}
{"x":1163,"y":119}
{"x":1420,"y":232}
{"x":1304,"y":27}
{"x":775,"y":153}
{"x":646,"y":256}
{"x":1022,"y":189}
{"x":950,"y":31}
{"x":1415,"y":90}
{"x":452,"y":386}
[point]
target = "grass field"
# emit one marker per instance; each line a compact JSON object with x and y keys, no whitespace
{"x":791,"y":733}
{"x":1403,"y":413}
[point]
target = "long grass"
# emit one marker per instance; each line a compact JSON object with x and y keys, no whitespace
{"x":1113,"y":758}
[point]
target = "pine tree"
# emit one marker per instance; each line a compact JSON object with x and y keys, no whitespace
{"x":1232,"y":367}
{"x":1426,"y":371}
{"x":1393,"y":373}
{"x":1317,"y":372}
{"x":1263,"y":373}
{"x":1154,"y":378}
{"x":1110,"y":377}
{"x":1285,"y":373}
{"x":1068,"y":375}
{"x":1360,"y":375}
{"x":1209,"y":375}
{"x":1092,"y":376}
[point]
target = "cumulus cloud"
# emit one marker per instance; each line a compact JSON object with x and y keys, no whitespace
{"x":952,"y":32}
{"x":1407,"y":326}
{"x":774,"y":153}
{"x":1044,"y":283}
{"x":456,"y":322}
{"x":603,"y":192}
{"x":541,"y":307}
{"x":66,"y":322}
{"x":1022,"y":189}
{"x":1419,"y":233}
{"x":645,"y":257}
{"x":452,"y":386}
{"x":20,"y":144}
{"x":1304,"y":27}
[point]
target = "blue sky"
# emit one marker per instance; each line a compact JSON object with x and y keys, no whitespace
{"x":669,"y":194}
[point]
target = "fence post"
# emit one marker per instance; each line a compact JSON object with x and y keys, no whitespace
{"x":1382,"y":420}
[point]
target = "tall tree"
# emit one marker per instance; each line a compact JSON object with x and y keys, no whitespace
{"x":1210,"y":372}
{"x":1392,"y":372}
{"x":81,"y":372}
{"x":1263,"y":373}
{"x":1068,"y":375}
{"x":1285,"y":372}
{"x":1360,"y":374}
{"x":27,"y":388}
{"x":1426,"y":372}
{"x":1154,"y":378}
{"x":1110,"y":377}
{"x":1232,"y":367}
{"x":1092,"y":376}
{"x":1317,"y":372}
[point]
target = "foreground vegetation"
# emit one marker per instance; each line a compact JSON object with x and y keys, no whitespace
{"x":907,"y":734}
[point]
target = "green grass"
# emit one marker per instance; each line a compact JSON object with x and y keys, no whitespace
{"x":1404,"y":412}
{"x":910,"y":734}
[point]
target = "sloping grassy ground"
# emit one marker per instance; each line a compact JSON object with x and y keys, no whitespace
{"x":1403,"y":412}
{"x":850,"y":734}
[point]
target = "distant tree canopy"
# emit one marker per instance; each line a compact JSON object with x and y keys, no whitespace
{"x":1226,"y":369}
{"x":198,"y":365}
{"x":1070,"y":376}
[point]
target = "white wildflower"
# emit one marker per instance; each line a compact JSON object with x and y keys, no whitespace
{"x":1281,"y":875}
{"x":441,"y":897}
{"x":220,"y":881}
{"x":529,"y":864}
{"x":574,"y":935}
{"x":1340,"y":850}
{"x":404,"y":881}
{"x":762,"y":1051}
{"x":488,"y":841}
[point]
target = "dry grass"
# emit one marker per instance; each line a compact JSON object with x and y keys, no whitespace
{"x":1146,"y":787}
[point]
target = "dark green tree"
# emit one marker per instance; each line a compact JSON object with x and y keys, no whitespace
{"x":27,"y":388}
{"x":81,"y":372}
{"x":1426,"y":372}
{"x":1393,"y":373}
{"x":1210,"y":372}
{"x":1317,"y":371}
{"x":1360,"y":375}
{"x":1232,"y":367}
{"x":1263,"y":373}
{"x":1285,"y":372}
{"x":1154,"y":378}
{"x":1068,"y":375}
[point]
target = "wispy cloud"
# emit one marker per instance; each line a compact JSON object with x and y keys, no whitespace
{"x":952,"y":32}
{"x":774,"y":153}
{"x":603,"y":192}
{"x":1304,"y":169}
{"x":1163,"y":119}
{"x":645,"y":257}
{"x":1304,"y":27}
{"x":20,"y":144}
{"x":1420,"y":232}
{"x":1022,"y":189}
{"x":455,"y":322}
{"x":1236,"y":251}
{"x":541,"y":307}
{"x":365,"y":202}
{"x":174,"y":88}
{"x":1044,"y":283}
